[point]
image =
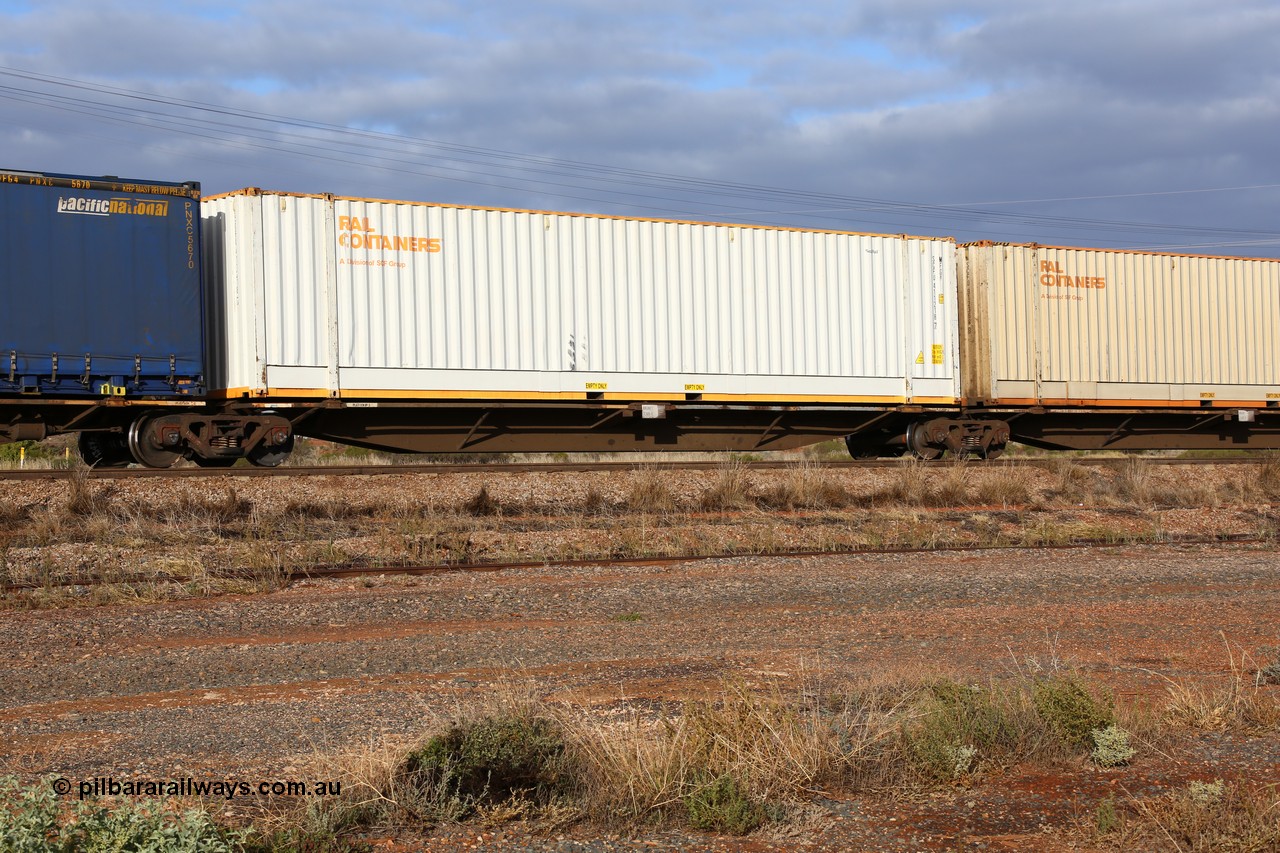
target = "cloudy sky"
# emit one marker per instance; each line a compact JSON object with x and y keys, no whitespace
{"x":1126,"y":123}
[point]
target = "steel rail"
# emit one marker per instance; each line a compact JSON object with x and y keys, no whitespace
{"x":354,"y":570}
{"x":564,"y":467}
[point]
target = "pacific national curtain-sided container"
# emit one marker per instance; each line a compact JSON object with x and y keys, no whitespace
{"x":102,"y":286}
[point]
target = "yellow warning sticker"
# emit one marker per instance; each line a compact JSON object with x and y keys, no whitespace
{"x":937,"y":353}
{"x":698,"y":387}
{"x":920,"y":357}
{"x":597,"y":386}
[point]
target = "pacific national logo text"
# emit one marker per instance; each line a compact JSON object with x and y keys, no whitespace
{"x":86,"y":206}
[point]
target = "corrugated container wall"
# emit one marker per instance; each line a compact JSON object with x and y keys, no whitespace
{"x":323,"y":296}
{"x":1098,"y":327}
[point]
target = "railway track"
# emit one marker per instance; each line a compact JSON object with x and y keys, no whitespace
{"x":353,"y":570}
{"x":553,"y":467}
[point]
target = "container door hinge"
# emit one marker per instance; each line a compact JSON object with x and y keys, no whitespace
{"x":137,"y":369}
{"x":13,"y":365}
{"x":84,"y":378}
{"x":173,"y":368}
{"x":53,"y":362}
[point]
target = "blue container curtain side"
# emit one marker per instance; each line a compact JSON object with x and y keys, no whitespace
{"x":102,"y":287}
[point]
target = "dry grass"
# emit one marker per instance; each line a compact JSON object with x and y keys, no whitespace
{"x":1005,"y":485}
{"x":85,"y":498}
{"x":754,"y":754}
{"x":775,"y":746}
{"x":807,"y":486}
{"x":731,"y":489}
{"x":1133,"y":482}
{"x":1244,"y":701}
{"x":1202,"y":817}
{"x":650,"y":492}
{"x":85,"y":529}
{"x":909,"y":486}
{"x":750,"y":754}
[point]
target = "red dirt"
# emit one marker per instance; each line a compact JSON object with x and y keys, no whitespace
{"x":250,"y":686}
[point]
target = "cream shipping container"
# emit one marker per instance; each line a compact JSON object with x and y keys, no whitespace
{"x":1046,"y":326}
{"x":386,"y":304}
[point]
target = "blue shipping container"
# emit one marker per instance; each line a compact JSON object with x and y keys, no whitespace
{"x":100,"y":287}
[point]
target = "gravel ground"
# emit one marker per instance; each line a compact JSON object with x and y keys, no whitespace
{"x":253,"y":687}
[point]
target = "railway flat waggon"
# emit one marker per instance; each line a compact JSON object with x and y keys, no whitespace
{"x":428,"y":327}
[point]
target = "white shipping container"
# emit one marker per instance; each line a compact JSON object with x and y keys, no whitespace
{"x":1062,"y":326}
{"x":317,"y":296}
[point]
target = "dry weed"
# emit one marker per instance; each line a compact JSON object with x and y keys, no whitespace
{"x":1073,"y":483}
{"x":1005,"y":485}
{"x":482,"y":503}
{"x":650,"y":492}
{"x":84,"y":498}
{"x":595,"y":503}
{"x":909,"y":485}
{"x":1133,"y":482}
{"x":774,"y":745}
{"x":1267,"y":481}
{"x":1245,"y":702}
{"x":952,"y":484}
{"x":808,"y":486}
{"x":1208,"y":817}
{"x":731,"y":489}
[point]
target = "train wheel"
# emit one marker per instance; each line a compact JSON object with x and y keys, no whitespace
{"x":103,"y":450}
{"x":917,"y":440}
{"x":144,"y":444}
{"x":270,"y":456}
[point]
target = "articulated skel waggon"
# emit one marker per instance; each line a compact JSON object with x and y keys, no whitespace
{"x":160,"y":325}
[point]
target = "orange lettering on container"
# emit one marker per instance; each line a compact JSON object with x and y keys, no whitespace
{"x":1049,"y":279}
{"x":353,"y":223}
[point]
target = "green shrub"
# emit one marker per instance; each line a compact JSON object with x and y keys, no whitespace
{"x":33,"y":820}
{"x":1111,"y":747}
{"x":724,"y":806}
{"x":492,"y":760}
{"x":55,"y":457}
{"x":28,"y":817}
{"x":1071,"y":711}
{"x":958,"y":726}
{"x":1106,"y":818}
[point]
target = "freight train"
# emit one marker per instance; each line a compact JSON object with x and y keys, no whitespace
{"x":159,"y":325}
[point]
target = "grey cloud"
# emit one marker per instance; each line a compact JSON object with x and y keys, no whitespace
{"x":915,"y":100}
